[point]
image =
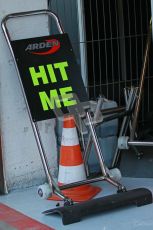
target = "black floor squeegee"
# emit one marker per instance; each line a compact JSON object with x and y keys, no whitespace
{"x":74,"y":213}
{"x":23,"y":53}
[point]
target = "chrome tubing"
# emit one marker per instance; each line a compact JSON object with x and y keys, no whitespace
{"x":97,"y":146}
{"x":89,"y":142}
{"x":130,"y":99}
{"x":30,"y":13}
{"x":54,"y":187}
{"x":140,"y":143}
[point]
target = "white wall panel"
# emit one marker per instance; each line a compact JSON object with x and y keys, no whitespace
{"x":21,"y":158}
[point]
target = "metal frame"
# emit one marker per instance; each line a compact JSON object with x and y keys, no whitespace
{"x":130,"y":101}
{"x":53,"y":185}
{"x":34,"y":125}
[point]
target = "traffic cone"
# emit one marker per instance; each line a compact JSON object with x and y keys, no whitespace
{"x":71,"y":166}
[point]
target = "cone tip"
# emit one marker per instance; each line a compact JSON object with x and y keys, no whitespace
{"x":69,"y":122}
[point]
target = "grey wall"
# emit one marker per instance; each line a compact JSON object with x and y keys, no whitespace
{"x":21,"y":160}
{"x":68,"y":14}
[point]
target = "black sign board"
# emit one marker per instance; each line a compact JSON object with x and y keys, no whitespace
{"x":49,"y":74}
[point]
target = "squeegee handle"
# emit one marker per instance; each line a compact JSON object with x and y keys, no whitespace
{"x":141,"y":84}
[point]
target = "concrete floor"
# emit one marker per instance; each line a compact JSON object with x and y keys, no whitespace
{"x":128,"y":218}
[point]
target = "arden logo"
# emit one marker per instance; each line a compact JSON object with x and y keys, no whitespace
{"x":50,"y":75}
{"x":48,"y":47}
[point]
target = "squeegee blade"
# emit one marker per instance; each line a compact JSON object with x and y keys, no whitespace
{"x":74,"y":213}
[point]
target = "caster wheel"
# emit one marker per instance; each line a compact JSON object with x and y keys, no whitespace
{"x":123,"y":142}
{"x":121,"y":189}
{"x":44,"y":191}
{"x":140,"y":155}
{"x":68,"y":202}
{"x":115,"y":174}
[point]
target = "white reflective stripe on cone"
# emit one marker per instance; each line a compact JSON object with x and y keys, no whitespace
{"x":69,"y":137}
{"x":70,"y":174}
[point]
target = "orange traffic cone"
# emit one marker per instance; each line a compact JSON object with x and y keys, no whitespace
{"x":71,"y":168}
